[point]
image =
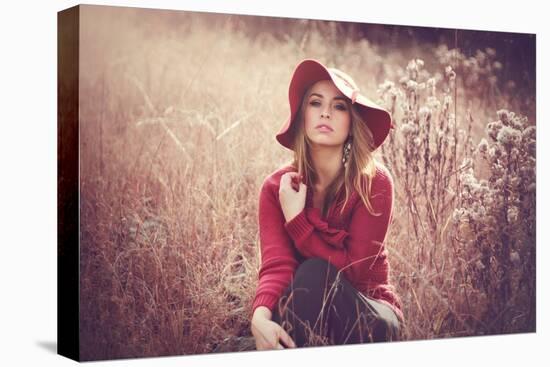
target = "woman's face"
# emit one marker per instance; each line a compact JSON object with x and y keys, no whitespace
{"x":327,"y":116}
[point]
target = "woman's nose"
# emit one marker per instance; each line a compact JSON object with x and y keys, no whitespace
{"x":325,"y":114}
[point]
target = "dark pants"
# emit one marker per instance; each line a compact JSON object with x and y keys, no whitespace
{"x":321,"y":307}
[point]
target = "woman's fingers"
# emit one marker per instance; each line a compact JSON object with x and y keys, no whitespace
{"x":291,"y":176}
{"x":287,"y":340}
{"x":285,"y":180}
{"x":273,"y":341}
{"x":265,"y":344}
{"x":291,"y":179}
{"x":296,"y":177}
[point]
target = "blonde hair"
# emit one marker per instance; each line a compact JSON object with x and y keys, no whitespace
{"x":356,"y":175}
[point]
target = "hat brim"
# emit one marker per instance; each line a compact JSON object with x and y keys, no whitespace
{"x":310,"y":71}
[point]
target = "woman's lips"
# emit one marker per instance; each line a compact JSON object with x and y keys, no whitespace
{"x":323,"y":127}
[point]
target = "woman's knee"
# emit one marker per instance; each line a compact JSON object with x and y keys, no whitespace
{"x":315,"y":271}
{"x":387,"y":329}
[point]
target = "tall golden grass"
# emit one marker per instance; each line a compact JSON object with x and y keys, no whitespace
{"x":177,"y":124}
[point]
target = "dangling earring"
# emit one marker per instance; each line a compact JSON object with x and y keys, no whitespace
{"x":347,"y":150}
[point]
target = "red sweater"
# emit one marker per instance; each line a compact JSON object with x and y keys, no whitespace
{"x":354,"y":240}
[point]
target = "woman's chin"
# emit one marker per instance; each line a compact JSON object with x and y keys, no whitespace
{"x":325,"y":143}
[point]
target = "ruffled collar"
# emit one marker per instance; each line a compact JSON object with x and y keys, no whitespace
{"x":332,"y":235}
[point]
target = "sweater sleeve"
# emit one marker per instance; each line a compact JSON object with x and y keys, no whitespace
{"x":363,"y":257}
{"x":278,"y":256}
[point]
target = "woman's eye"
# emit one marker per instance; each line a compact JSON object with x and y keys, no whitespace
{"x":341,"y":107}
{"x":314,"y":103}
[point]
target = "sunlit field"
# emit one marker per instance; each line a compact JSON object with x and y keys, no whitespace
{"x":178,"y":114}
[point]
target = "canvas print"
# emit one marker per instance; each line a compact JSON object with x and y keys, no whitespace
{"x":232,"y":183}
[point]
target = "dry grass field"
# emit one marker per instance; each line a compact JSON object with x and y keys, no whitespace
{"x":177,"y":123}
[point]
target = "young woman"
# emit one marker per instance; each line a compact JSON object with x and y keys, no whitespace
{"x":324,"y":276}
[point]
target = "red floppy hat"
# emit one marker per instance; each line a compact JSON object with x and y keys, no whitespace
{"x":310,"y":71}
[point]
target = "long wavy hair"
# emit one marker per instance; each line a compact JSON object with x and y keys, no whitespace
{"x":356,"y":175}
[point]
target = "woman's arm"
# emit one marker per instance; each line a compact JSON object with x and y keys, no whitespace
{"x":278,"y":256}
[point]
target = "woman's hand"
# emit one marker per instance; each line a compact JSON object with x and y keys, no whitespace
{"x":292,"y":195}
{"x":270,"y":335}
